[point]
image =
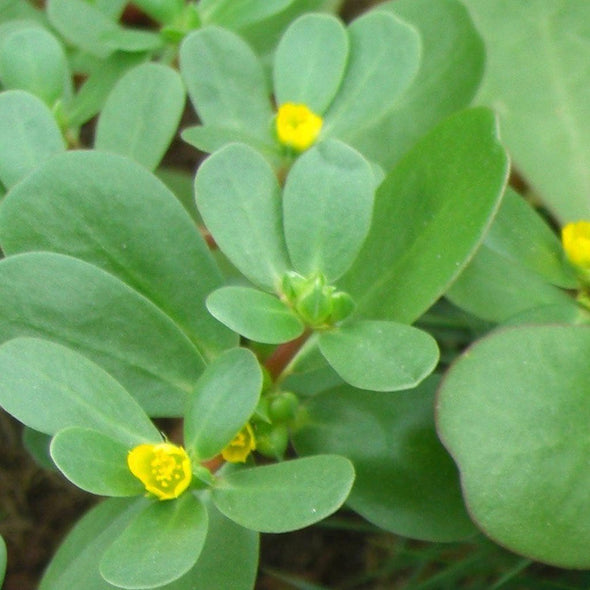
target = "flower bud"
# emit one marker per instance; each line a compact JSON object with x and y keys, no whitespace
{"x":272,"y":440}
{"x":283,"y":407}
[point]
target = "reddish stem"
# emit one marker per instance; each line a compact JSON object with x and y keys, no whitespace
{"x":284,"y":354}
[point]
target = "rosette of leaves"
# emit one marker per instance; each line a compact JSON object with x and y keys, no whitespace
{"x":323,"y":224}
{"x":145,"y":542}
{"x":349,"y":77}
{"x":316,"y":228}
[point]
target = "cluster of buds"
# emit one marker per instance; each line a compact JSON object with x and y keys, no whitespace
{"x":276,"y":413}
{"x":318,"y":304}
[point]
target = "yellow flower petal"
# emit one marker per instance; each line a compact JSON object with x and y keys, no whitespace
{"x":575,"y":238}
{"x":241,"y":446}
{"x":297,"y":126}
{"x":163,"y":468}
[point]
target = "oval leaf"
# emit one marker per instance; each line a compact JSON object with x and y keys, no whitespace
{"x":95,"y":462}
{"x":224,"y":398}
{"x":285,"y":496}
{"x":141,"y":114}
{"x":32,"y":59}
{"x":255,"y":315}
{"x":82,"y":24}
{"x":405,"y":481}
{"x":540,"y":93}
{"x":515,"y":268}
{"x":160,"y":545}
{"x":310,"y":61}
{"x":239,"y":198}
{"x":513,"y":412}
{"x":49,"y":387}
{"x":225,"y":81}
{"x":327,"y":207}
{"x":431,"y":213}
{"x":384,"y":58}
{"x":28,"y":135}
{"x":380,"y":356}
{"x":451,"y":68}
{"x":229,"y":558}
{"x":111,"y":212}
{"x":72,"y":302}
{"x":75,"y":565}
{"x":240,"y":14}
{"x":93,"y":93}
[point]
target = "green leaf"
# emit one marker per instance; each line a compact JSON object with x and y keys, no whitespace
{"x":451,"y":69}
{"x":160,"y":545}
{"x":120,"y":39}
{"x":141,"y":114}
{"x":210,"y":138}
{"x":232,"y":15}
{"x":380,"y":356}
{"x":521,"y":235}
{"x":569,"y":313}
{"x":81,"y":24}
{"x":497,"y":289}
{"x":225,"y":81}
{"x":430,"y":215}
{"x":37,"y":445}
{"x":49,"y":387}
{"x":310,"y":61}
{"x":181,"y":183}
{"x":2,"y":559}
{"x":224,"y":398}
{"x":405,"y":481}
{"x":327,"y":207}
{"x":28,"y":135}
{"x":515,"y":268}
{"x":112,"y":8}
{"x":93,"y":93}
{"x":513,"y":413}
{"x":111,"y":212}
{"x":384,"y":59}
{"x":77,"y":304}
{"x":264,"y":34}
{"x":229,"y":558}
{"x":32,"y":59}
{"x":162,"y":11}
{"x":540,"y":94}
{"x":75,"y":565}
{"x":285,"y":496}
{"x":254,"y":314}
{"x":95,"y":462}
{"x":238,"y":196}
{"x":88,"y":28}
{"x":17,"y":9}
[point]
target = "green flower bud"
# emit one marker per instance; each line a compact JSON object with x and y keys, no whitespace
{"x":283,"y":407}
{"x":272,"y":440}
{"x":293,"y":283}
{"x":314,"y":304}
{"x":342,"y":306}
{"x":317,"y":303}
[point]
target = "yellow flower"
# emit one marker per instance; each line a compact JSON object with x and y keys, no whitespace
{"x":241,"y":446}
{"x":575,"y":238}
{"x":297,"y":126}
{"x":163,"y":468}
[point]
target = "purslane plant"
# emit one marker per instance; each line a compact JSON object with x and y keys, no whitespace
{"x":274,"y":312}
